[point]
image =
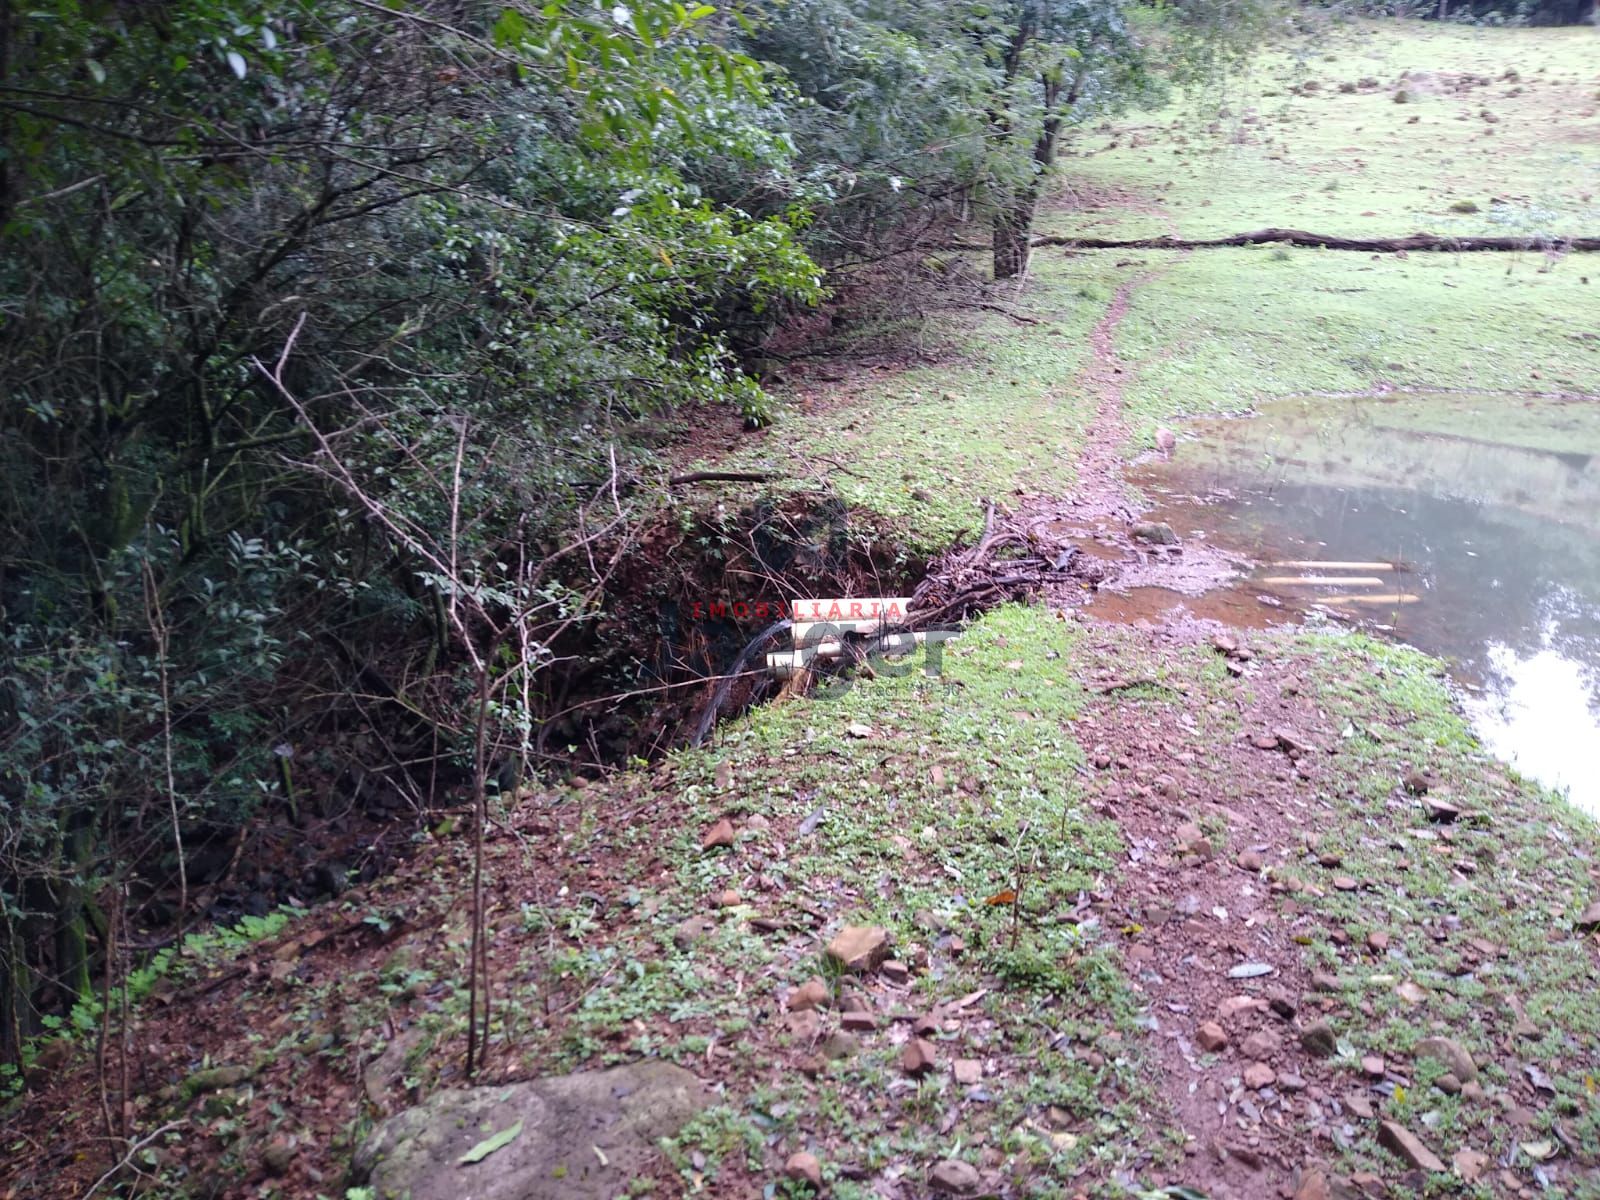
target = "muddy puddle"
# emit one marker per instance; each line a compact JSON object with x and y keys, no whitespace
{"x":1466,"y":525}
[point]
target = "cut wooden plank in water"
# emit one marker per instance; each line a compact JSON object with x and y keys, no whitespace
{"x":1324,"y":581}
{"x":1308,"y":564}
{"x":1391,"y":598}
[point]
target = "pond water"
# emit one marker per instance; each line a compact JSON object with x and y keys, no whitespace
{"x":1467,"y":525}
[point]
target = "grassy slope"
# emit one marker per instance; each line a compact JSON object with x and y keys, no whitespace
{"x":1258,"y":154}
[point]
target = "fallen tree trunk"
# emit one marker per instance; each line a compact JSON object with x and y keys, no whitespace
{"x":1325,"y":241}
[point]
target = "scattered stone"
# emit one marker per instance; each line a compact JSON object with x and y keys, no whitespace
{"x":858,"y":1021}
{"x":1157,"y":533}
{"x":1251,"y":860}
{"x":277,"y":1158}
{"x":919,"y":1057}
{"x":1469,"y":1164}
{"x":1234,"y":1006}
{"x":1416,"y":783}
{"x":968,"y":1071}
{"x":895,"y":971}
{"x":954,"y":1178}
{"x":813,"y":993}
{"x":805,"y":1024}
{"x":859,"y":948}
{"x":727,"y":898}
{"x":1318,"y":1038}
{"x":1360,"y":1104}
{"x":625,"y":1111}
{"x":1291,"y":1082}
{"x":926,"y":1025}
{"x":1345,"y":884}
{"x":840,"y":1045}
{"x":724,"y":775}
{"x":1211,"y":1037}
{"x":215,"y":1079}
{"x":1407,"y":1146}
{"x":1258,"y":1076}
{"x":1448,"y":1084}
{"x":1440,"y":810}
{"x":1589,"y":922}
{"x":804,"y":1167}
{"x":1313,"y":1185}
{"x":1411,"y":993}
{"x":1452,"y":1054}
{"x":1377,"y":941}
{"x":1282,"y":1003}
{"x":720,"y":834}
{"x":1262,"y":1044}
{"x":1474,"y":1092}
{"x":687,"y":932}
{"x":1373,"y":1066}
{"x":1321,"y":981}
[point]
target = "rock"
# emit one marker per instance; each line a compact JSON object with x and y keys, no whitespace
{"x":839,"y":1046}
{"x":813,"y":993}
{"x":1377,"y":941}
{"x":1452,"y":1054}
{"x":1473,"y":1092}
{"x":1321,"y":981}
{"x":1440,"y":810}
{"x":1165,"y":440}
{"x":805,"y":1024}
{"x":1282,"y":1003}
{"x":1250,"y":860}
{"x":720,"y":834}
{"x":277,"y":1158}
{"x":1262,"y":1044}
{"x":1359,"y":1104}
{"x":919,"y":1057}
{"x":724,"y":775}
{"x":687,"y":932}
{"x":1317,"y":1184}
{"x":1211,"y":1037}
{"x":1448,"y":1084}
{"x":1345,"y":884}
{"x":859,"y":948}
{"x":1157,"y":533}
{"x":727,"y":898}
{"x":1589,"y":922}
{"x":954,"y":1178}
{"x":1259,"y":1075}
{"x":1318,"y":1038}
{"x":804,"y":1167}
{"x":563,"y":1119}
{"x":895,"y":971}
{"x":968,"y":1071}
{"x":1469,"y":1164}
{"x":1407,"y":1146}
{"x":1290,"y":1082}
{"x":1374,"y":1066}
{"x":214,"y":1079}
{"x":1235,"y":1006}
{"x":1416,"y":783}
{"x":858,"y":1021}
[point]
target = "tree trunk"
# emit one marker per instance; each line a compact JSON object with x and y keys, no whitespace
{"x":1013,"y":237}
{"x":72,"y":923}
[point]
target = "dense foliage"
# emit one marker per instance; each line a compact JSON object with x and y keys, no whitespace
{"x":324,"y":324}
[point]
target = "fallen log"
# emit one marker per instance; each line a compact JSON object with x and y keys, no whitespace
{"x":1420,"y":242}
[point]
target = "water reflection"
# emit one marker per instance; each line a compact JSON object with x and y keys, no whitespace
{"x":1488,"y":508}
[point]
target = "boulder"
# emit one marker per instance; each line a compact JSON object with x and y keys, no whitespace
{"x":1452,"y":1054}
{"x":562,"y":1122}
